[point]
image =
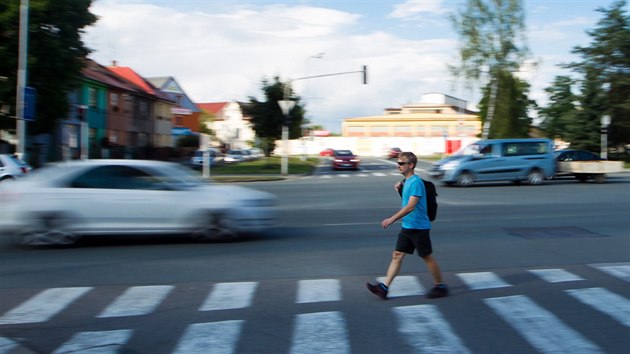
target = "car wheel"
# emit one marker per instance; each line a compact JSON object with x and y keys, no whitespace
{"x":49,"y":229}
{"x":535,"y":177}
{"x":465,"y":179}
{"x":217,"y":228}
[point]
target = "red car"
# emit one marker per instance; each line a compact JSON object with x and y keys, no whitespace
{"x":326,"y":152}
{"x":393,"y":153}
{"x":345,"y":159}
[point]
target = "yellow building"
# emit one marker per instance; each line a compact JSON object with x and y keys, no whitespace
{"x":436,"y":115}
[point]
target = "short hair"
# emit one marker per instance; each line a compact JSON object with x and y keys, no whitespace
{"x":409,"y":157}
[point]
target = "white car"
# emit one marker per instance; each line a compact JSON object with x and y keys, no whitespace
{"x":234,"y":155}
{"x":60,"y":203}
{"x":11,"y":167}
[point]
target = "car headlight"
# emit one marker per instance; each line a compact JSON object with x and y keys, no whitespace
{"x":355,"y":160}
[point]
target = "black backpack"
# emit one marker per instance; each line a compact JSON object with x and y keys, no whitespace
{"x":431,"y":192}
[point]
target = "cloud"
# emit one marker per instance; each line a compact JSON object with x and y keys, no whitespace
{"x":412,"y":8}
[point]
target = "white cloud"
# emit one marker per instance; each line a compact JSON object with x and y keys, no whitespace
{"x":412,"y":8}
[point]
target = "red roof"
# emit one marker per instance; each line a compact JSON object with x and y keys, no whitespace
{"x":132,"y":76}
{"x":212,"y":107}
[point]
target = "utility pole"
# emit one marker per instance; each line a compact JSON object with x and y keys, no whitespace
{"x":21,"y":79}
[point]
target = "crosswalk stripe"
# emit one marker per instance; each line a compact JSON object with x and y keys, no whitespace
{"x":482,"y":280}
{"x":619,"y":271}
{"x":43,"y":306}
{"x":7,"y":345}
{"x":320,"y":332}
{"x":404,"y":285}
{"x":137,"y":301}
{"x":426,"y":330}
{"x":226,"y":296}
{"x":211,"y":337}
{"x":539,"y":327}
{"x":98,"y":342}
{"x":555,"y":275}
{"x":318,"y":290}
{"x":615,"y":306}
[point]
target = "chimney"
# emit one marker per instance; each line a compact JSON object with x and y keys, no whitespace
{"x":114,"y":63}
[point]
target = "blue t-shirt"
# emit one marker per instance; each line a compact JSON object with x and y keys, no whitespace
{"x":418,"y":218}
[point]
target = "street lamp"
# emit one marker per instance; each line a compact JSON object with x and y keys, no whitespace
{"x":286,"y":106}
{"x":605,"y":121}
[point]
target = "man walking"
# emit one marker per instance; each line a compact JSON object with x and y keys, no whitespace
{"x":414,"y":235}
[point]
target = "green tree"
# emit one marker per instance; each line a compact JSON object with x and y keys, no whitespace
{"x":267,"y":117}
{"x":605,"y":71}
{"x":55,"y":53}
{"x":561,"y":110}
{"x":514,"y":108}
{"x":492,"y":36}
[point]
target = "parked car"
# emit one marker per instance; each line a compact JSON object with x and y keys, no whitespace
{"x":214,"y":156}
{"x":256,"y":153}
{"x":234,"y":155}
{"x":565,"y":161}
{"x":345,"y":159}
{"x":326,"y":152}
{"x":515,"y":160}
{"x":393,"y":153}
{"x":60,"y":203}
{"x":11,"y":167}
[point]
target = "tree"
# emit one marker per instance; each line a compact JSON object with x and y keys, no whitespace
{"x":55,"y":53}
{"x":492,"y":36}
{"x":267,"y":117}
{"x":561,"y":110}
{"x":605,"y":71}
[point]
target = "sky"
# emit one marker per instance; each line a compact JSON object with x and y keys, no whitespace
{"x":222,"y":50}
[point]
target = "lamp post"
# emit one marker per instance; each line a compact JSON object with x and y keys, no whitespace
{"x":21,"y":78}
{"x":286,"y":106}
{"x":605,"y":120}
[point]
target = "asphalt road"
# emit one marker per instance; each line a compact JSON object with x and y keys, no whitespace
{"x":531,"y":269}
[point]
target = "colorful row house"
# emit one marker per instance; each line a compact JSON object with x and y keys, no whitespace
{"x":116,"y":113}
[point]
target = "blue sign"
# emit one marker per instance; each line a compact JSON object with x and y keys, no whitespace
{"x":29,"y":103}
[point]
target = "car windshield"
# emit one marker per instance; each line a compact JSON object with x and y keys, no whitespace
{"x":343,"y":153}
{"x":471,"y":149}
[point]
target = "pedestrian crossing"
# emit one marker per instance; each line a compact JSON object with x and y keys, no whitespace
{"x":426,"y":326}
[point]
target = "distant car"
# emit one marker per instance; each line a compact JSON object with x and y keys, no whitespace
{"x":569,"y":155}
{"x":214,"y":156}
{"x":58,"y":204}
{"x":393,"y":153}
{"x":345,"y":159}
{"x":326,"y":152}
{"x":11,"y":167}
{"x":256,"y":153}
{"x":235,"y":155}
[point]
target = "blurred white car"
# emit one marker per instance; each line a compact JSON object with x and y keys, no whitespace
{"x":214,"y":156}
{"x":60,"y":203}
{"x":234,"y":155}
{"x":11,"y":167}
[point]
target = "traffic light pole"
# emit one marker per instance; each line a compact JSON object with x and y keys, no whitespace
{"x":21,"y":79}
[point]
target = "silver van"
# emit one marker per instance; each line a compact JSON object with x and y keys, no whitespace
{"x":515,"y":160}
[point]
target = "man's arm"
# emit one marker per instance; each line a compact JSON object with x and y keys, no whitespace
{"x":413,"y":200}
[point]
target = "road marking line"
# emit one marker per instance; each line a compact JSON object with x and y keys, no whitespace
{"x":320,"y":332}
{"x":482,"y":280}
{"x":210,"y":337}
{"x":426,"y":330}
{"x":318,"y":290}
{"x":555,"y":275}
{"x":43,"y":306}
{"x":404,"y":285}
{"x":7,"y":345}
{"x":539,"y":327}
{"x":137,"y":301}
{"x":98,"y":342}
{"x":226,"y":296}
{"x":618,"y":271}
{"x":615,"y":306}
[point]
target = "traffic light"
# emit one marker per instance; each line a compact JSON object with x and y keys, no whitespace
{"x":364,"y":74}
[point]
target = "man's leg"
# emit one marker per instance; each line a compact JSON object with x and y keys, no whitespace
{"x":394,"y":267}
{"x":434,"y":268}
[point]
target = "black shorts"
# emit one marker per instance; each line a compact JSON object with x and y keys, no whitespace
{"x":414,"y":239}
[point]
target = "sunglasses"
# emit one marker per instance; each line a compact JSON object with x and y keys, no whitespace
{"x":401,"y":163}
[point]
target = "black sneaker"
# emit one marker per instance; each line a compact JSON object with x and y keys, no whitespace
{"x":438,"y":291}
{"x":378,"y":289}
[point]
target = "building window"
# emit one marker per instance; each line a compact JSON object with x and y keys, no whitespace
{"x":92,"y":98}
{"x":356,"y":130}
{"x":402,"y":130}
{"x":113,"y":101}
{"x":439,"y":130}
{"x":380,"y":130}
